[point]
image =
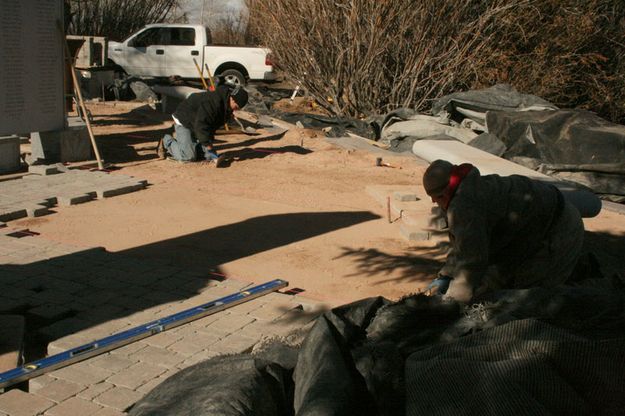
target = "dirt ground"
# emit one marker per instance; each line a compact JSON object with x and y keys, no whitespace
{"x":291,"y":207}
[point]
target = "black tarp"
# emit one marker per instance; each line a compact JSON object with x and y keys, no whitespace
{"x":537,"y":351}
{"x":572,"y":145}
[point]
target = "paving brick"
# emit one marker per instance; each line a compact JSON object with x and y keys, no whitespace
{"x":82,"y":373}
{"x":158,"y":356}
{"x":234,"y":343}
{"x":36,"y":210}
{"x":230,"y":323}
{"x":136,"y":375}
{"x":35,"y":384}
{"x":163,"y":340}
{"x":113,"y":362}
{"x":68,"y":342}
{"x":198,"y":358}
{"x":404,"y":196}
{"x":128,"y":349}
{"x":150,"y":385}
{"x":67,"y":200}
{"x":17,"y":403}
{"x":272,"y":310}
{"x":195,"y":342}
{"x":43,"y":169}
{"x":60,"y":390}
{"x":95,"y":390}
{"x":107,"y":411}
{"x":119,"y":398}
{"x":114,"y":190}
{"x":73,"y":407}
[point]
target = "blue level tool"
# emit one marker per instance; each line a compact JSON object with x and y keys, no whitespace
{"x":112,"y":342}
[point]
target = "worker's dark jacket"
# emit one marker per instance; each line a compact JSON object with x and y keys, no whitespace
{"x":501,"y":221}
{"x":204,"y":112}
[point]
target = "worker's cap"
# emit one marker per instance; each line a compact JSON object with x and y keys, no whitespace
{"x":239,"y":95}
{"x":436,"y":177}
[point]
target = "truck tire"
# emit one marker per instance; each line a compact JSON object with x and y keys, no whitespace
{"x":232,"y":76}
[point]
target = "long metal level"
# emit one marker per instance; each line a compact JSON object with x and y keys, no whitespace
{"x":74,"y":355}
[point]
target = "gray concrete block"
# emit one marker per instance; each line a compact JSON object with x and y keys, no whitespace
{"x":404,"y":196}
{"x":117,"y":190}
{"x":43,"y":169}
{"x":37,"y":210}
{"x":412,"y":233}
{"x":66,"y":200}
{"x":10,"y":214}
{"x":75,"y":142}
{"x":9,"y":154}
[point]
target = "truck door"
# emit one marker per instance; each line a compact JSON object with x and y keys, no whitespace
{"x":145,"y":53}
{"x":182,"y":46}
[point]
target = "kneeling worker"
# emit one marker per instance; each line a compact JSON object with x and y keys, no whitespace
{"x":506,"y":232}
{"x":197,"y":118}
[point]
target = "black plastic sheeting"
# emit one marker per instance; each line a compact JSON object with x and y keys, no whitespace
{"x":500,"y":97}
{"x":537,"y":351}
{"x":572,"y":145}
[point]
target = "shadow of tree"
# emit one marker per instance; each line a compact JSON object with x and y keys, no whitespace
{"x":419,"y":266}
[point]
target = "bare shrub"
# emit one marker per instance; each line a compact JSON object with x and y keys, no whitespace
{"x":360,"y":57}
{"x":116,"y":19}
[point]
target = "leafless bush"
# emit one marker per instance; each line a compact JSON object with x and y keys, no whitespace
{"x":360,"y":57}
{"x":116,"y":19}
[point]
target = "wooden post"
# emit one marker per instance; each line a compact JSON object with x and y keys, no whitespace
{"x":69,"y":59}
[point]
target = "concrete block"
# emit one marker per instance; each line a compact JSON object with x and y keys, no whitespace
{"x":43,"y":169}
{"x":67,"y":200}
{"x":119,"y":398}
{"x":234,"y":344}
{"x":12,"y":213}
{"x":412,"y":233}
{"x":114,"y":190}
{"x":109,"y":411}
{"x":136,"y":375}
{"x":74,"y":406}
{"x":17,"y":402}
{"x":60,"y":390}
{"x":113,"y":362}
{"x":82,"y":373}
{"x":404,"y":196}
{"x":37,"y":210}
{"x":9,"y":154}
{"x":46,"y":146}
{"x":95,"y":390}
{"x":159,"y":356}
{"x":75,"y":142}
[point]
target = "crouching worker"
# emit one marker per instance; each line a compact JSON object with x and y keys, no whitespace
{"x":195,"y":121}
{"x":506,"y":232}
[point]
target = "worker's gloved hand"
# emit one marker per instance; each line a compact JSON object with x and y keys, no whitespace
{"x":439,"y":285}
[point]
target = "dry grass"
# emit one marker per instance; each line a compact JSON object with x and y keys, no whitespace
{"x":363,"y":57}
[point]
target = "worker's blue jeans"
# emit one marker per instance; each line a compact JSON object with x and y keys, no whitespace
{"x":183,"y":147}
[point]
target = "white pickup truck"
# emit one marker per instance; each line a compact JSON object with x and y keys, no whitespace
{"x":162,"y":50}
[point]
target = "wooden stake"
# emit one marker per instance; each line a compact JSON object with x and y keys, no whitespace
{"x":69,"y":59}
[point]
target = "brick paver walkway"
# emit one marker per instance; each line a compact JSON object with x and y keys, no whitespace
{"x":72,"y":295}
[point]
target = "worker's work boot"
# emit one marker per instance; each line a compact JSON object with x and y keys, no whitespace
{"x":220,"y":161}
{"x":160,"y":150}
